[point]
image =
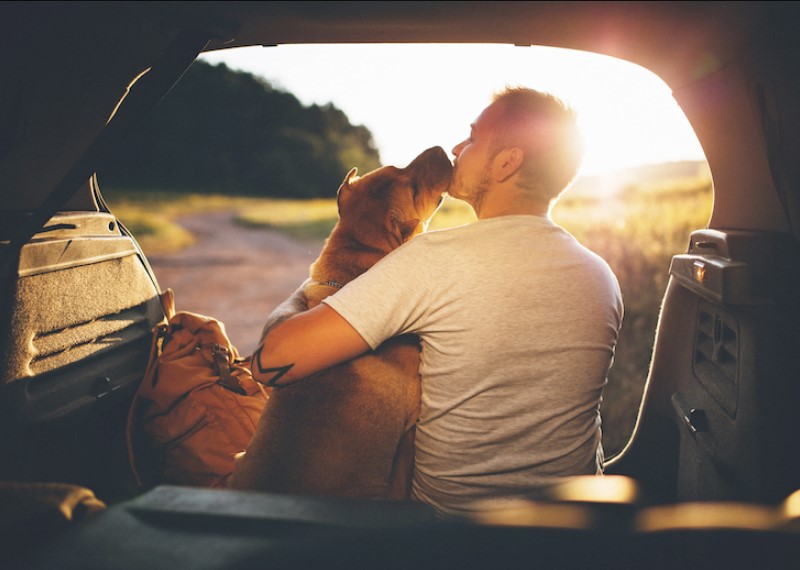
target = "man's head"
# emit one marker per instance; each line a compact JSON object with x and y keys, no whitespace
{"x":525,"y":138}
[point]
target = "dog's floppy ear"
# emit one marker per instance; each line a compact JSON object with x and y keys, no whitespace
{"x":402,"y":230}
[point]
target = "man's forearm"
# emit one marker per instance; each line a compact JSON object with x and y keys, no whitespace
{"x":305,"y":344}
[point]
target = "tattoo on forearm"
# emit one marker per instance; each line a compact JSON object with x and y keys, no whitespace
{"x":277,"y":372}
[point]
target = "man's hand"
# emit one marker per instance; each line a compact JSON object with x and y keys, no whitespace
{"x":305,"y":344}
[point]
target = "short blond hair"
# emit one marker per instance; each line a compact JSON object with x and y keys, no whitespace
{"x":546,"y":130}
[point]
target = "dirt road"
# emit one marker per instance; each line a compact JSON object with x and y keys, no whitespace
{"x":235,"y":274}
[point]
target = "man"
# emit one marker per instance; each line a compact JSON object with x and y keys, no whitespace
{"x":517,"y":320}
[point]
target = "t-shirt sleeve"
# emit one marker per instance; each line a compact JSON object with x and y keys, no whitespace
{"x":388,"y":299}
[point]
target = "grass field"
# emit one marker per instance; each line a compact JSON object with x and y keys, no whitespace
{"x":635,"y":228}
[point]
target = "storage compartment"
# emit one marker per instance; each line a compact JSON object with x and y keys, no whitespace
{"x":734,"y":399}
{"x":76,"y":322}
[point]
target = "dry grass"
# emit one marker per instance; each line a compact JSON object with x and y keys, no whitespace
{"x":153,"y":217}
{"x":308,"y":219}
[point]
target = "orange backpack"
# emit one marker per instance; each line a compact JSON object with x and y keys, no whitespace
{"x":197,"y":406}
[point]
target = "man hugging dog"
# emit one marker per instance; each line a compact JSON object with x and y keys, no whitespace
{"x":517,"y":321}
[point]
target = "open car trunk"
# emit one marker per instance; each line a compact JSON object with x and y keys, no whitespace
{"x":78,"y":299}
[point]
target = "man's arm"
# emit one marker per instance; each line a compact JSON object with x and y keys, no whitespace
{"x":304,"y":345}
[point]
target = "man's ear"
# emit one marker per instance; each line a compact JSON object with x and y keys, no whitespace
{"x":344,"y":188}
{"x":403,"y":230}
{"x":506,"y":163}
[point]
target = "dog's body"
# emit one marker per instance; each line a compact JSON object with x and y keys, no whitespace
{"x":349,"y":430}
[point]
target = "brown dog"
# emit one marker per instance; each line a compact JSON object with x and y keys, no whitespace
{"x":349,"y":431}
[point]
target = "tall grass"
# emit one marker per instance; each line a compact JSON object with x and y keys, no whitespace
{"x":636,"y":228}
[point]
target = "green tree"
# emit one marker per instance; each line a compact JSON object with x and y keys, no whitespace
{"x":222,"y":131}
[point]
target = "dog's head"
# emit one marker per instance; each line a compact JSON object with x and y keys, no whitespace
{"x":386,"y":207}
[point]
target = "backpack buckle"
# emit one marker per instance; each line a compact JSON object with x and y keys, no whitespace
{"x":222,"y":360}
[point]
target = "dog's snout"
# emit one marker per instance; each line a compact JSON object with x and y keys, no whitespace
{"x":442,"y":154}
{"x":442,"y":160}
{"x":435,"y":155}
{"x":432,"y":168}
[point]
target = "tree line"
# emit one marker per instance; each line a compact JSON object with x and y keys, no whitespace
{"x":229,"y":132}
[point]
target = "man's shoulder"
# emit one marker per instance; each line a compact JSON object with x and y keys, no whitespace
{"x":441,"y":236}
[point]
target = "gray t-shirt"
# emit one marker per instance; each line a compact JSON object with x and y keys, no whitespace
{"x":518,"y":324}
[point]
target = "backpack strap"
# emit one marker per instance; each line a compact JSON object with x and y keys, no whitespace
{"x":150,"y":375}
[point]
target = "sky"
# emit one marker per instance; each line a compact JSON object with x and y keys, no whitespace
{"x":412,"y":97}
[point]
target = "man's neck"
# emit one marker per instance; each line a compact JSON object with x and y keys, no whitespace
{"x":510,"y":203}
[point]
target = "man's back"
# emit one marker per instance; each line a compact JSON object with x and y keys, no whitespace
{"x":518,"y":324}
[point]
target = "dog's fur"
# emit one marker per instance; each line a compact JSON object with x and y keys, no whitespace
{"x":349,"y":430}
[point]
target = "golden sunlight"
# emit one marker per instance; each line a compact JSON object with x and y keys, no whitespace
{"x":415,"y":96}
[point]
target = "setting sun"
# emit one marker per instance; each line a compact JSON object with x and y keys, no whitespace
{"x":414,"y":96}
